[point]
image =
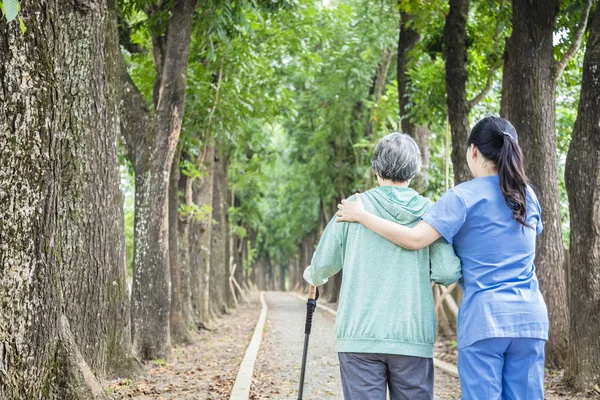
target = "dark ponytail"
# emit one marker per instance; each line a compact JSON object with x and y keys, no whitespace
{"x":496,"y":139}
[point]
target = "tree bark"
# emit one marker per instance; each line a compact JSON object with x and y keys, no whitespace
{"x":151,"y":274}
{"x":62,"y":286}
{"x":528,"y":101}
{"x":201,"y":238}
{"x":281,"y":277}
{"x":219,"y":272}
{"x":179,"y":331}
{"x":583,"y":186}
{"x":406,"y":42}
{"x":455,"y":36}
{"x":186,"y":187}
{"x":408,"y":38}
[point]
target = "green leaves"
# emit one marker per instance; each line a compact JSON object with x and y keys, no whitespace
{"x":10,"y":9}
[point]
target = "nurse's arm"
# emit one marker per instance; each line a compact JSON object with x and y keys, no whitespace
{"x":416,"y":238}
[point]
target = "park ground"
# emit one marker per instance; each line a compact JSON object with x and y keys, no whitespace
{"x":206,"y":369}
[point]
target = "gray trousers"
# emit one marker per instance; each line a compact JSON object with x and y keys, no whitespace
{"x":366,"y":376}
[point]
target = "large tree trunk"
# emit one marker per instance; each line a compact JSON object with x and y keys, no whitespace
{"x":455,"y":36}
{"x":219,"y":271}
{"x":583,"y":187}
{"x":151,"y":272}
{"x":179,"y":330}
{"x":528,"y":101}
{"x":62,"y":286}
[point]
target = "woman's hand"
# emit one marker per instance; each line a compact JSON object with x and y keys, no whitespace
{"x":351,"y":211}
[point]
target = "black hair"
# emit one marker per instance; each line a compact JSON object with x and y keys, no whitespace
{"x":496,"y":139}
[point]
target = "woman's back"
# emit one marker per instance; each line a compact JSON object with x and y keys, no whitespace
{"x":502,"y":296}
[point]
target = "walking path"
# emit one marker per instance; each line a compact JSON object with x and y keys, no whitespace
{"x":277,"y":369}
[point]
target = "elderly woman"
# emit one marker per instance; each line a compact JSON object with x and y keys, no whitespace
{"x":385,"y":325}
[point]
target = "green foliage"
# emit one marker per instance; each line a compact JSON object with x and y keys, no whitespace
{"x":199,"y":213}
{"x":160,"y":362}
{"x":288,"y":91}
{"x":10,"y":9}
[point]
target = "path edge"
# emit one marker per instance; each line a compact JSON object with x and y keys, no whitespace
{"x":243,"y":381}
{"x":446,"y":367}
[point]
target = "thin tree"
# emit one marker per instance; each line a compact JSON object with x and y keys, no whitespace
{"x":407,"y":40}
{"x":152,"y":140}
{"x":459,"y":106}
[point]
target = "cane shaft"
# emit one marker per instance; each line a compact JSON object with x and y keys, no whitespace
{"x":303,"y":370}
{"x":311,"y":305}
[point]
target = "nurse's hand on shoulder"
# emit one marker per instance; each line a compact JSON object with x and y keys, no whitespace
{"x":351,"y":211}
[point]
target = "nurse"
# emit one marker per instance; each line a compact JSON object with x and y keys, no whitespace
{"x":492,"y":221}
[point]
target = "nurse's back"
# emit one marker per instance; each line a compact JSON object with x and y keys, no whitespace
{"x":502,"y":296}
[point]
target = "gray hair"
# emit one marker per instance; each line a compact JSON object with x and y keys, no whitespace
{"x":396,"y":157}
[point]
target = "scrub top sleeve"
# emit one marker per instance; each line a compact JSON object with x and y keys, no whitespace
{"x":539,"y":226}
{"x":447,"y":215}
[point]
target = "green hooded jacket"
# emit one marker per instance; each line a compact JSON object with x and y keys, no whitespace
{"x":386,"y":301}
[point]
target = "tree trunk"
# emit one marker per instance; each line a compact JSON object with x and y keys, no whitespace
{"x":406,"y":42}
{"x":201,"y":238}
{"x":259,"y":279}
{"x":219,"y":272}
{"x":408,"y":38}
{"x":528,"y":101}
{"x":334,"y":287}
{"x":120,"y":359}
{"x":583,"y":187}
{"x":281,"y":277}
{"x":238,"y":258}
{"x":151,"y":272}
{"x":455,"y":36}
{"x":62,"y":286}
{"x":185,"y":187}
{"x":179,"y":330}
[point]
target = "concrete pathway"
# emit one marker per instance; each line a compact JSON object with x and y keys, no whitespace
{"x":277,"y":369}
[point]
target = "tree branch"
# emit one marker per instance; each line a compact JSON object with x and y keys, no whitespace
{"x":493,"y":66}
{"x":574,"y":47}
{"x":216,"y":102}
{"x":488,"y":86}
{"x":134,"y":112}
{"x":131,"y":109}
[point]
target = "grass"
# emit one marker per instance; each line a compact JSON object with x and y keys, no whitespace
{"x":159,"y":362}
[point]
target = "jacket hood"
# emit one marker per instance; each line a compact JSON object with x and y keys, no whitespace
{"x":404,"y":205}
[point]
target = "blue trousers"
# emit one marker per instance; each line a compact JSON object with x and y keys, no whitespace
{"x":502,"y":368}
{"x":367,"y":376}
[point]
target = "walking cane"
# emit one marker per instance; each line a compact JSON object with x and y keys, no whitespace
{"x":311,"y":304}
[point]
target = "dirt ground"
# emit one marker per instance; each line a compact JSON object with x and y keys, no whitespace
{"x":204,"y":370}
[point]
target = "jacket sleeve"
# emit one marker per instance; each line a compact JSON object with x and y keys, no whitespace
{"x":445,"y":267}
{"x":328,"y":258}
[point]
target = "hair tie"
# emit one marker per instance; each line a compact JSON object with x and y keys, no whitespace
{"x":507,"y":134}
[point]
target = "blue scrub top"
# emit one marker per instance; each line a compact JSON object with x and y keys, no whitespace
{"x":501,"y":291}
